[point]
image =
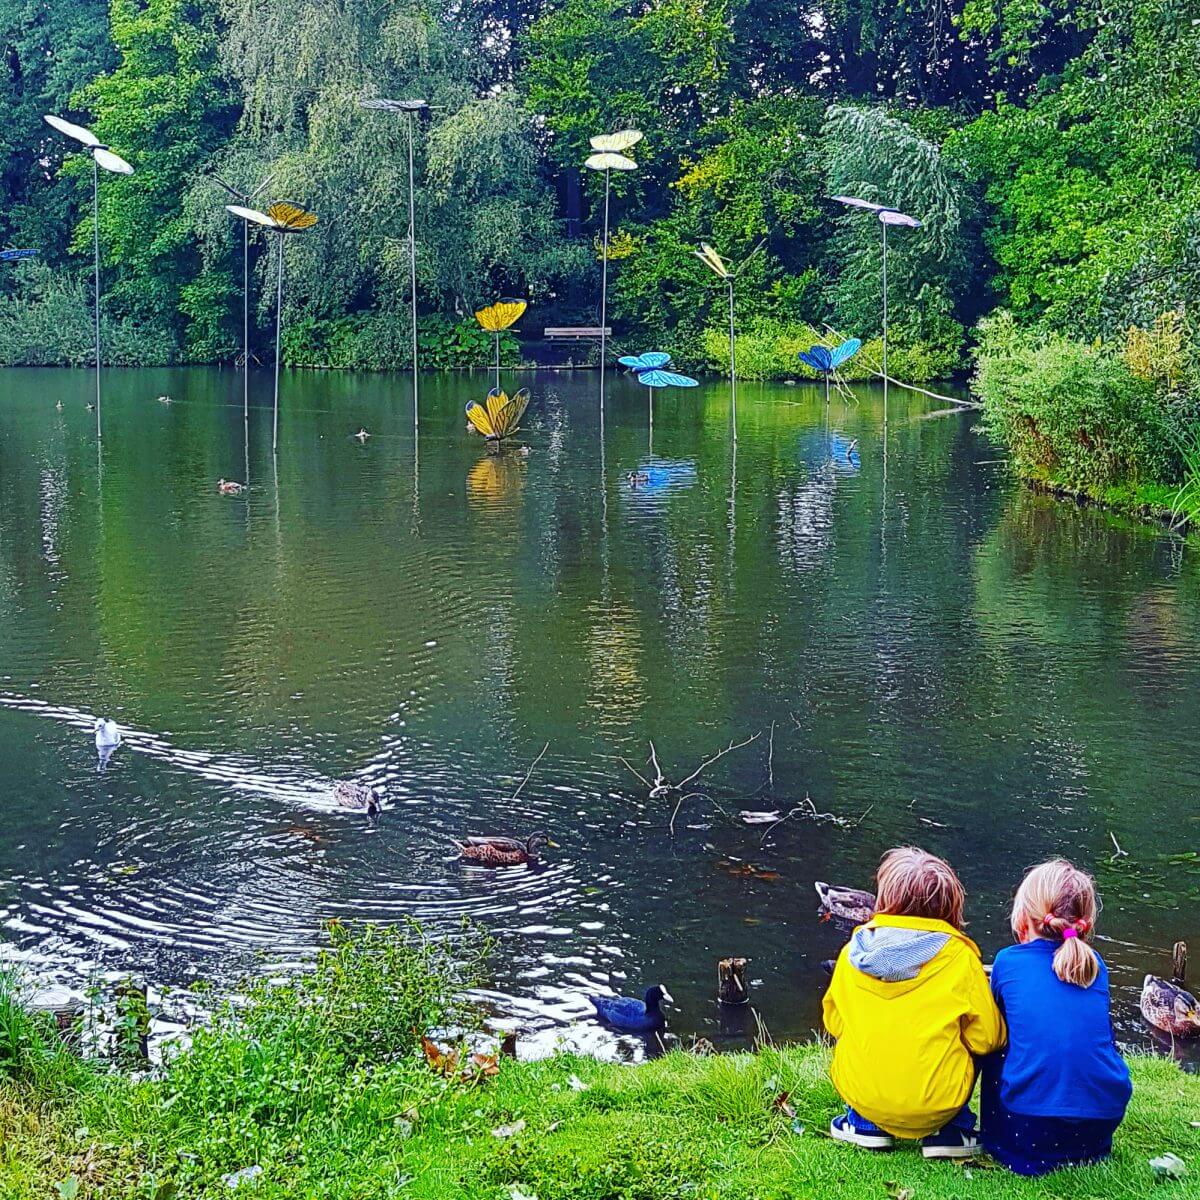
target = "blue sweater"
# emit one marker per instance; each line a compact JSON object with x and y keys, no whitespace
{"x":1061,"y":1059}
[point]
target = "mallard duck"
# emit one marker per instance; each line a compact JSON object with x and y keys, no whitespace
{"x":502,"y":851}
{"x":633,"y":1016}
{"x":637,"y":478}
{"x":362,"y":435}
{"x":1167,"y":1004}
{"x":228,"y":487}
{"x":845,"y":904}
{"x":357,"y":796}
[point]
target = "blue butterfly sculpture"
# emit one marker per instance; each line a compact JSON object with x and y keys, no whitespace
{"x":14,"y":255}
{"x":650,"y":371}
{"x":825,"y":361}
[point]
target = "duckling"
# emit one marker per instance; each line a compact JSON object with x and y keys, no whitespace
{"x":228,"y":487}
{"x":633,"y":1016}
{"x":1167,"y":1004}
{"x":357,"y":796}
{"x":845,"y":904}
{"x":524,"y":451}
{"x":362,"y":435}
{"x":502,"y":851}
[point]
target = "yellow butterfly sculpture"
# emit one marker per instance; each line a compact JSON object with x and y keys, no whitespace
{"x":501,"y":315}
{"x":291,"y":218}
{"x":502,"y":416}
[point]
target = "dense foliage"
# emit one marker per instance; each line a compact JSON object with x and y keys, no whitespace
{"x":1051,"y":150}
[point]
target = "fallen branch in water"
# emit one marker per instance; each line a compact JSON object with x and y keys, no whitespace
{"x":661,"y":786}
{"x":809,"y":809}
{"x":528,"y":773}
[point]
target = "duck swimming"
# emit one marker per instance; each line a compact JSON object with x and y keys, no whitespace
{"x":845,"y":904}
{"x":502,"y":851}
{"x":362,"y":435}
{"x":358,"y":796}
{"x":1167,"y":1004}
{"x":228,"y":487}
{"x":633,"y":1016}
{"x":108,"y":738}
{"x":164,"y":399}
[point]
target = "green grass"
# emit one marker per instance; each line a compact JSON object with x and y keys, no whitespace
{"x":327,"y":1106}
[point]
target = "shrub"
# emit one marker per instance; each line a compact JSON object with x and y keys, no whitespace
{"x":768,"y":350}
{"x":1073,"y":412}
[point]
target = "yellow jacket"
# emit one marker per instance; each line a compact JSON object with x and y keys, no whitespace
{"x":904,"y":1049}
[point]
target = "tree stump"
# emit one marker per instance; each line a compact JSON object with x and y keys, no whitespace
{"x":732,"y":988}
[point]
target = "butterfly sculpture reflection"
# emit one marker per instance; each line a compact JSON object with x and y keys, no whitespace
{"x":500,"y":419}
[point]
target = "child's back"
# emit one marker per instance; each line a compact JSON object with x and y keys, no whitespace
{"x":1056,"y":1095}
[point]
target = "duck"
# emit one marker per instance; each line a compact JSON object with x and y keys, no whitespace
{"x":630,"y":1015}
{"x":1167,"y":1004}
{"x":58,"y":406}
{"x":502,"y":851}
{"x":229,"y":487}
{"x":358,"y":796}
{"x":636,"y":478}
{"x":845,"y":904}
{"x":108,"y":738}
{"x":523,"y":451}
{"x":91,"y":407}
{"x":362,"y":435}
{"x":164,"y":399}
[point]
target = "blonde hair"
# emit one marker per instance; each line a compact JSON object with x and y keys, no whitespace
{"x":1058,"y":900}
{"x":914,"y":883}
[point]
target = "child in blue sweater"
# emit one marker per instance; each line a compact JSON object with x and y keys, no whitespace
{"x":1056,"y":1094}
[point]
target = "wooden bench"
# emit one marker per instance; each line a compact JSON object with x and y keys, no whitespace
{"x":576,"y":333}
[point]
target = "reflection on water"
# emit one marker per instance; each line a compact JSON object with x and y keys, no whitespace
{"x":992,"y":674}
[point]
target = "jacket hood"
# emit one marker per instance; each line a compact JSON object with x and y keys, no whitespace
{"x":890,"y":953}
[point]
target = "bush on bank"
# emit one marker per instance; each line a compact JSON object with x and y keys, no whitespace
{"x":316,"y":1086}
{"x":1077,"y":414}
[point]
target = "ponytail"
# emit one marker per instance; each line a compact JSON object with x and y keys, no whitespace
{"x":1074,"y":961}
{"x":1058,"y":901}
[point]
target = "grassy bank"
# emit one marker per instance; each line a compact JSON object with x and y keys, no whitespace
{"x":323,"y":1086}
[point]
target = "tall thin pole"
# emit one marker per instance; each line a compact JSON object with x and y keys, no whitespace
{"x":497,"y":337}
{"x":604,"y":293}
{"x":732,"y":363}
{"x":245,"y":322}
{"x":278,"y":321}
{"x":883,"y":226}
{"x":96,"y":276}
{"x":412,"y":265}
{"x":651,"y":420}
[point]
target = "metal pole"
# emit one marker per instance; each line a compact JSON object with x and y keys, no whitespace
{"x":732,"y":363}
{"x":604,"y":293}
{"x":96,"y":276}
{"x":246,"y":321}
{"x":883,"y":226}
{"x":278,"y":319}
{"x":412,"y":265}
{"x":651,"y":420}
{"x":497,"y":335}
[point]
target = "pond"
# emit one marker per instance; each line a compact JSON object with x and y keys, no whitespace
{"x":926,"y":651}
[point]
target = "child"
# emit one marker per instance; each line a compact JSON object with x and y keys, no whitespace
{"x":910,"y":1006}
{"x":1059,"y":1091}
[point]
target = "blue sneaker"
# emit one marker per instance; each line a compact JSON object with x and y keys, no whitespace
{"x":866,"y":1136}
{"x":951,"y":1142}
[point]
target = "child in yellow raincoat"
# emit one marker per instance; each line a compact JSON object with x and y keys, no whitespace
{"x":911,"y":1009}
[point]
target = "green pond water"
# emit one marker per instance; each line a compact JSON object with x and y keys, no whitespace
{"x":991,"y":674}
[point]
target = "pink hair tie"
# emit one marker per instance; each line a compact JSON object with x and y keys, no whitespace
{"x":1070,"y":932}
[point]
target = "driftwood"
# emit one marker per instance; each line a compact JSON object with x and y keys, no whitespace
{"x":732,"y":988}
{"x":662,"y":787}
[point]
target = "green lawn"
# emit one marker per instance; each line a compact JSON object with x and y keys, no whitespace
{"x":320,"y":1085}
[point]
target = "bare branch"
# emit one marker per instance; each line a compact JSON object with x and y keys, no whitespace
{"x":532,"y":765}
{"x":635,"y":770}
{"x":708,"y":762}
{"x":678,"y":805}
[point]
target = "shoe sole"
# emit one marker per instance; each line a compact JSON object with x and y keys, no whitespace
{"x":949,"y":1151}
{"x":865,"y":1141}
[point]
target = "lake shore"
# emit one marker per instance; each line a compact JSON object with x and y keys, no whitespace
{"x":330,"y":1083}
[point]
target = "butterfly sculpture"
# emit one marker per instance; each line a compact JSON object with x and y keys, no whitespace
{"x":609,"y":156}
{"x":16,"y":255}
{"x":825,"y":361}
{"x":496,"y":318}
{"x":283,"y":217}
{"x":651,"y":372}
{"x":500,"y":419}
